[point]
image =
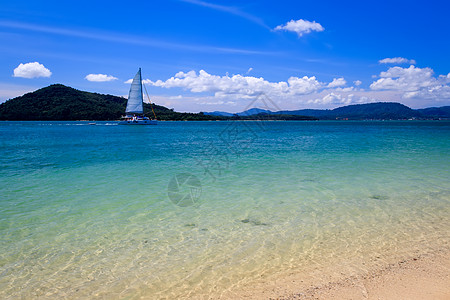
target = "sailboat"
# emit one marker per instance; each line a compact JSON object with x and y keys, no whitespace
{"x":134,"y":114}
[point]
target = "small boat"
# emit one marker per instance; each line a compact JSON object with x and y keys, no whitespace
{"x":134,"y":114}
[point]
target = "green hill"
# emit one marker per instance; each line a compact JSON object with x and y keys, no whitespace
{"x":59,"y":102}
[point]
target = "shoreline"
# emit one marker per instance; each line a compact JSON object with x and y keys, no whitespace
{"x":421,"y":276}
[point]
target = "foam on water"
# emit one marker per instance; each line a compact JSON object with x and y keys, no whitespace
{"x":85,"y":210}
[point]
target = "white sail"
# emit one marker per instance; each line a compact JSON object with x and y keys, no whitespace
{"x":135,"y":100}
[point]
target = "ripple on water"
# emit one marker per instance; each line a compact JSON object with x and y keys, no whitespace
{"x":93,"y":218}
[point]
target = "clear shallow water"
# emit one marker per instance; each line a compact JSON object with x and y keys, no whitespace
{"x":85,"y":211}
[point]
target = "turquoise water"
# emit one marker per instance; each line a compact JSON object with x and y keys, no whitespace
{"x":88,"y":211}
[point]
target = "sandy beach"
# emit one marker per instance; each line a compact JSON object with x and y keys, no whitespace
{"x":424,"y":276}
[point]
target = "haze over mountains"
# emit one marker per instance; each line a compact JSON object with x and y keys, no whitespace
{"x":59,"y":102}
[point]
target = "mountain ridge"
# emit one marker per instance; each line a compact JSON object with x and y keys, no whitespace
{"x":60,"y":102}
{"x":378,"y":110}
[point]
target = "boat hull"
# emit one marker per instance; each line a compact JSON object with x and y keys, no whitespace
{"x":138,"y":122}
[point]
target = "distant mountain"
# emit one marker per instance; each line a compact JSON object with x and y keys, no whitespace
{"x":377,"y":111}
{"x":219,"y":113}
{"x":318,"y":113}
{"x":263,"y":116}
{"x":250,"y":112}
{"x":436,"y":112}
{"x":380,"y":110}
{"x":254,"y":111}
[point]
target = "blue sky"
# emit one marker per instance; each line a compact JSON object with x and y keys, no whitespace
{"x":220,"y":55}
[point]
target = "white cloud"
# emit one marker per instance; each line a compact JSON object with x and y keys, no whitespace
{"x":345,"y":89}
{"x":249,"y":70}
{"x":337,"y":82}
{"x":303,"y":86}
{"x":404,"y":79}
{"x":100,"y":77}
{"x":300,"y":27}
{"x":414,"y":82}
{"x":445,"y":78}
{"x":240,"y":86}
{"x":333,"y":100}
{"x":32,"y":70}
{"x":415,"y":87}
{"x":397,"y":60}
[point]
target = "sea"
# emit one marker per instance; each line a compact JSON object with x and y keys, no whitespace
{"x":187,"y":210}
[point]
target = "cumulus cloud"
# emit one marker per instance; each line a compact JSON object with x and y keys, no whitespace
{"x":416,"y":86}
{"x":414,"y":82}
{"x":333,"y":99}
{"x":31,"y":70}
{"x":404,"y":79}
{"x":100,"y":77}
{"x":300,"y":27}
{"x":337,"y":82}
{"x":239,"y":86}
{"x":444,"y":78}
{"x":397,"y":60}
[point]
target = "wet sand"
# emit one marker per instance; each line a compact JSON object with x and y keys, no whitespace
{"x":425,"y":276}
